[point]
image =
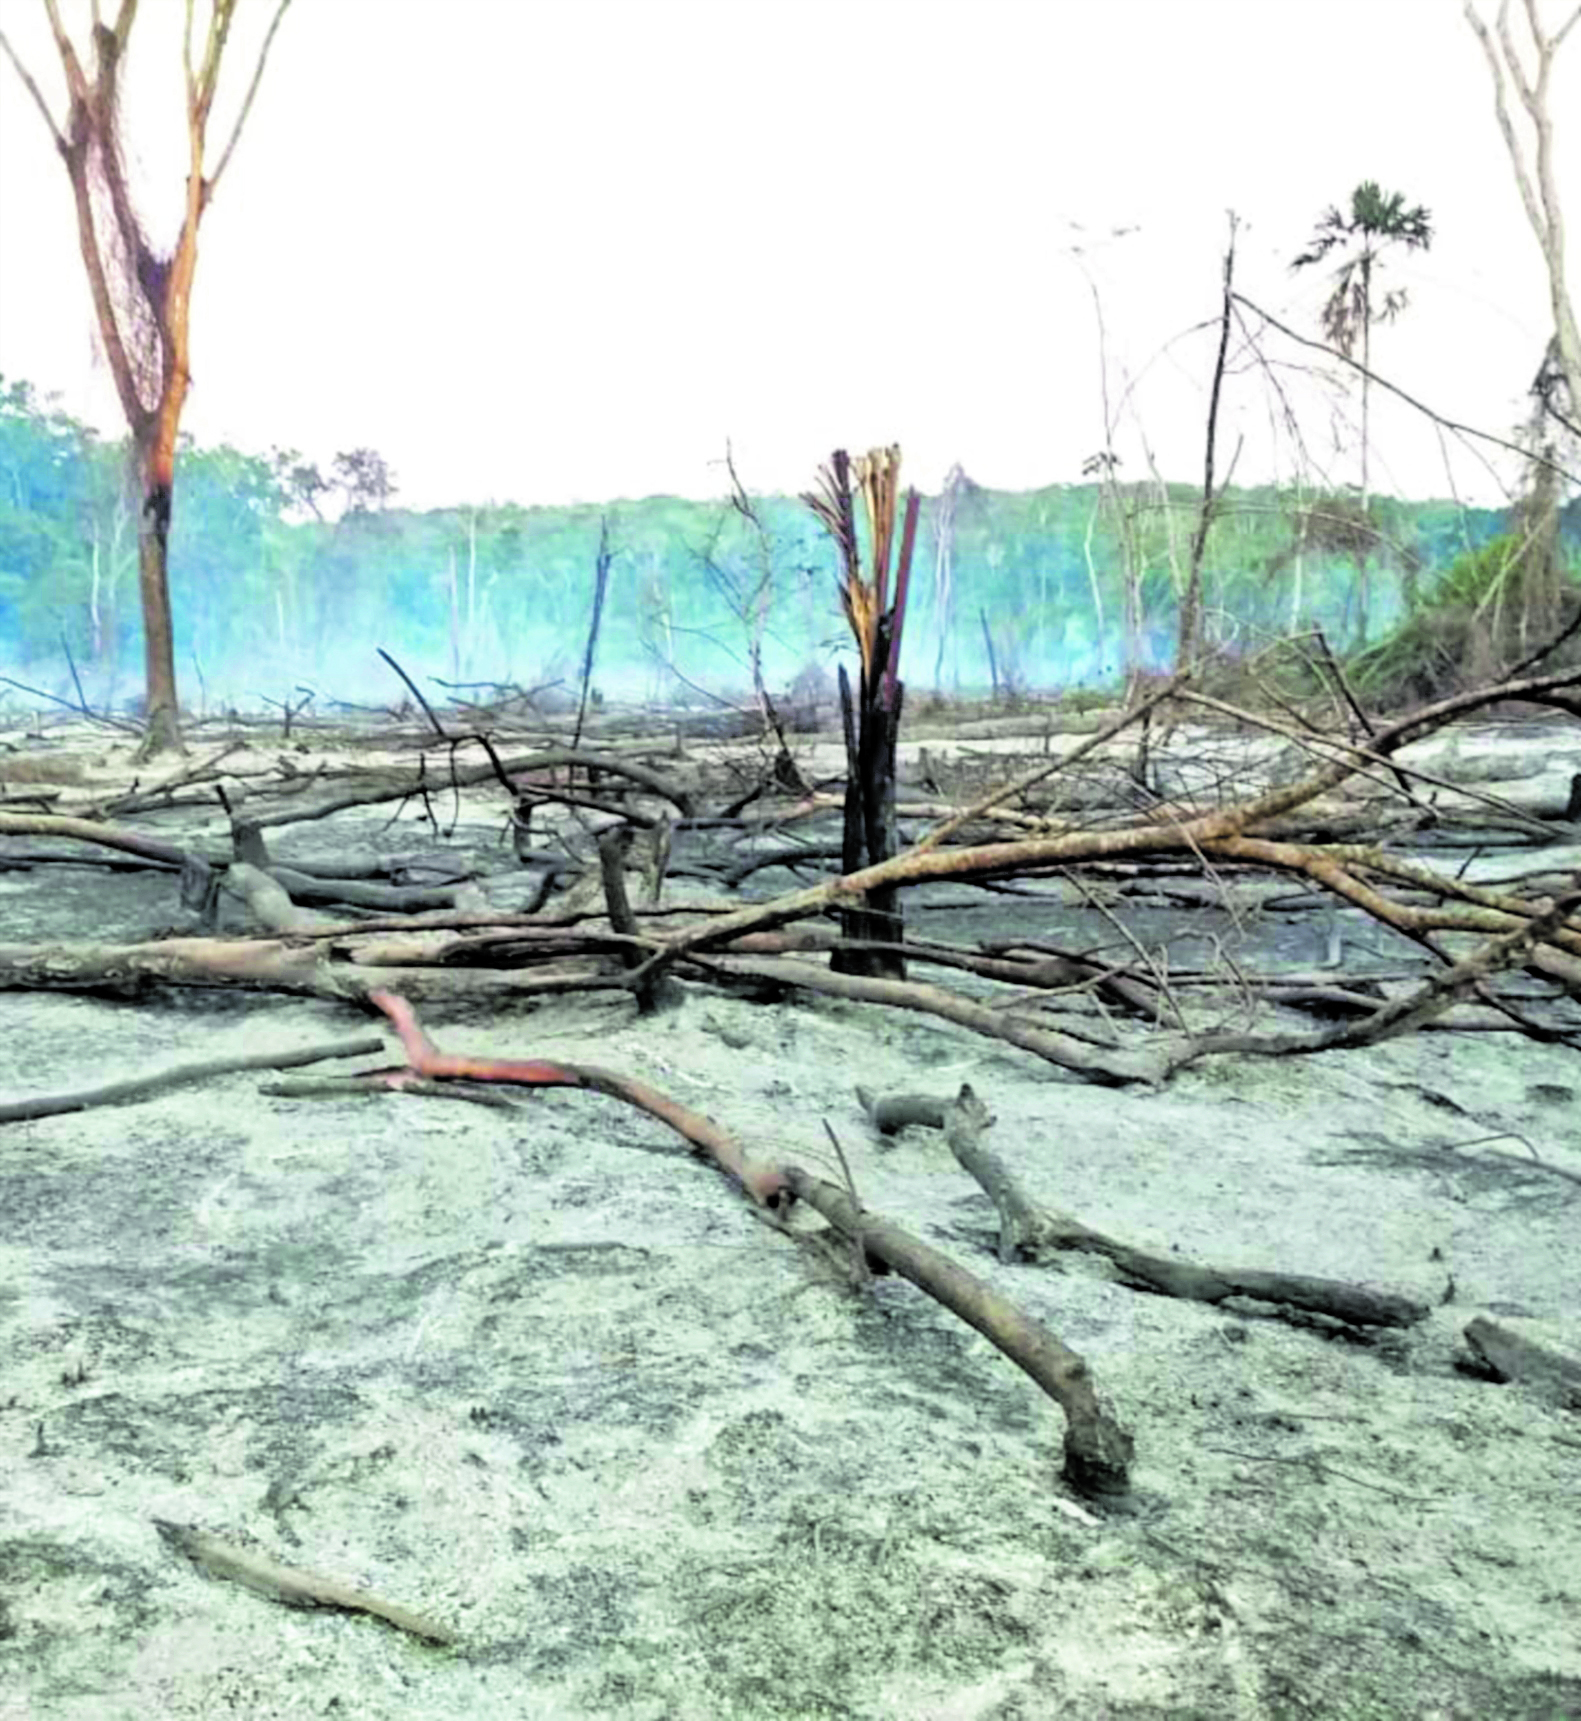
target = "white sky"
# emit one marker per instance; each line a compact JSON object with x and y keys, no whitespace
{"x":547,"y":250}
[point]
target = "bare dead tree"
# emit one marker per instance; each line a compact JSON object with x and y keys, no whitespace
{"x":1189,"y":637}
{"x":595,"y":622}
{"x":142,"y":298}
{"x":944,"y":569}
{"x":750,"y":597}
{"x":1533,"y":162}
{"x":1556,"y":391}
{"x":1104,"y":466}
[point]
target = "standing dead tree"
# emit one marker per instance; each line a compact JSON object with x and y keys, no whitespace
{"x":944,"y":572}
{"x":873,"y":727}
{"x":748,"y":588}
{"x":1534,"y":168}
{"x":1189,"y":635}
{"x":1556,"y":391}
{"x":142,"y":298}
{"x":595,"y":622}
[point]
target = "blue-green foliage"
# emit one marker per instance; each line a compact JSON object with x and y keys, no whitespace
{"x":51,"y":472}
{"x":266,"y":595}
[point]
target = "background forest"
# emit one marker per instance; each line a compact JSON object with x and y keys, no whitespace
{"x":287,"y":573}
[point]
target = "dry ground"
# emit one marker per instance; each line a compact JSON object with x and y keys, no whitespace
{"x":544,"y":1377}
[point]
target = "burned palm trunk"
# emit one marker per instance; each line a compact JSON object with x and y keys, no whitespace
{"x":873,"y":928}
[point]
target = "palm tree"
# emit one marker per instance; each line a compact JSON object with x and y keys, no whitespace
{"x":1375,"y":222}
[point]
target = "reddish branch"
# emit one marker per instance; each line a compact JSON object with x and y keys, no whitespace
{"x":764,"y":1184}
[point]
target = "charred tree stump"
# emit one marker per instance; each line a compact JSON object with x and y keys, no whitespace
{"x":870,"y":834}
{"x":873,"y":924}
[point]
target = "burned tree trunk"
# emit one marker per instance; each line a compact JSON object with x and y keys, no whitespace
{"x":873,"y":928}
{"x":161,"y":709}
{"x":870,"y":833}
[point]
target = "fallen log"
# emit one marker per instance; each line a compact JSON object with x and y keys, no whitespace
{"x":1509,"y":1356}
{"x":293,"y":966}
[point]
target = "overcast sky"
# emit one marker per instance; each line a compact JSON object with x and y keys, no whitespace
{"x":547,"y":250}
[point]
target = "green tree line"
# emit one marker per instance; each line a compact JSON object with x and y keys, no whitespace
{"x":287,"y":573}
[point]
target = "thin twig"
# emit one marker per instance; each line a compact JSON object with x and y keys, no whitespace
{"x":290,"y":1585}
{"x":1527,"y":454}
{"x":439,"y":728}
{"x":247,"y":100}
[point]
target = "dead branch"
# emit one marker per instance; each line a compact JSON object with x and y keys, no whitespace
{"x":290,"y":1585}
{"x":415,"y":691}
{"x":1160,"y":832}
{"x":1028,"y":965}
{"x":338,"y":958}
{"x":468,"y":776}
{"x":1373,"y":377}
{"x":294,"y":965}
{"x":1188,"y":638}
{"x":1026,"y":1229}
{"x":891,"y":1113}
{"x":91,"y":831}
{"x":1112,"y":1068}
{"x":1098,"y":1450}
{"x":1518,"y":946}
{"x":269,"y":902}
{"x":613,"y":847}
{"x":137,"y":1088}
{"x":356,"y":893}
{"x":966,"y":1120}
{"x":372,"y":1084}
{"x":1335,"y":870}
{"x":1365,"y":757}
{"x":1019,"y":785}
